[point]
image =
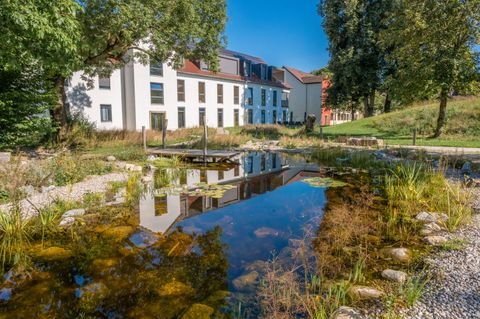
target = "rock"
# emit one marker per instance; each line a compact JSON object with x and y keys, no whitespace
{"x":133,"y":167}
{"x":53,"y":254}
{"x":5,"y":157}
{"x":394,"y":275}
{"x":74,"y":213}
{"x":466,"y":168}
{"x":118,"y":233}
{"x":175,"y":289}
{"x":435,"y":240}
{"x":347,"y":313}
{"x":198,"y":311}
{"x":246,"y":282}
{"x":399,"y":254}
{"x":111,"y":158}
{"x":147,"y":179}
{"x":363,"y":292}
{"x":426,"y":217}
{"x":28,"y":190}
{"x":365,"y":141}
{"x":263,"y":232}
{"x":259,"y":266}
{"x":46,"y":189}
{"x":151,"y":158}
{"x":66,"y":222}
{"x":430,"y":228}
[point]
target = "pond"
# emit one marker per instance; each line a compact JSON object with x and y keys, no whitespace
{"x":190,"y":250}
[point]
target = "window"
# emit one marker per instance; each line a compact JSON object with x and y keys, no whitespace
{"x":105,"y":113}
{"x":284,"y":116}
{"x":274,"y":116}
{"x":156,"y":68}
{"x":250,"y":116}
{"x":264,"y":97}
{"x":220,"y":93}
{"x":181,"y":90}
{"x":250,"y":96}
{"x":157,"y":119}
{"x":220,"y":117}
{"x":263,"y":117}
{"x":236,"y":117}
{"x":274,"y":98}
{"x":104,"y":83}
{"x":236,"y":95}
{"x":201,"y":116}
{"x":263,"y":162}
{"x":274,"y":160}
{"x":250,"y":165}
{"x":181,"y":117}
{"x":156,"y":93}
{"x":201,"y":92}
{"x":221,"y":175}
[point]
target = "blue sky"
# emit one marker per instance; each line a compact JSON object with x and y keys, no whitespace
{"x":282,"y":32}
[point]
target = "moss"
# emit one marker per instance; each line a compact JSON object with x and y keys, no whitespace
{"x":175,"y":288}
{"x":118,"y":233}
{"x":53,"y":254}
{"x":198,"y":311}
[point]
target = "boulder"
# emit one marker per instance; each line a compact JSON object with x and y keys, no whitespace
{"x":111,"y":158}
{"x":246,"y":282}
{"x":399,"y":254}
{"x":28,"y":190}
{"x":364,"y":292}
{"x":198,"y":311}
{"x":347,"y":313}
{"x":365,"y":141}
{"x":426,"y":217}
{"x":430,"y":228}
{"x":74,"y":213}
{"x":435,"y":240}
{"x":66,"y":222}
{"x":394,"y":275}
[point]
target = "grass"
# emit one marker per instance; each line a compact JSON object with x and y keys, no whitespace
{"x":462,"y":128}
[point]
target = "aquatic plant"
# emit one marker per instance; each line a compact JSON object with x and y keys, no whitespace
{"x":413,"y":288}
{"x":134,"y":189}
{"x":324,"y":182}
{"x":14,"y":237}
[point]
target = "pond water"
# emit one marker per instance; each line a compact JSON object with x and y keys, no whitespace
{"x":181,"y":252}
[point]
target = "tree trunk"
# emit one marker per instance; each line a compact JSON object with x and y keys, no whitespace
{"x":371,"y":108}
{"x":58,"y":113}
{"x":368,"y":101}
{"x":365,"y":105}
{"x":353,"y":113}
{"x":441,"y":113}
{"x":387,"y":107}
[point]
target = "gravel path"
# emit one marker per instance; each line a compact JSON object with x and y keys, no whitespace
{"x":92,"y":184}
{"x":455,"y":293}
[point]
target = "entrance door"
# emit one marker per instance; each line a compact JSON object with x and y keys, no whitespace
{"x":156,"y":120}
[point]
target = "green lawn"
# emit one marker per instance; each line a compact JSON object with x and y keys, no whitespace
{"x":462,"y":128}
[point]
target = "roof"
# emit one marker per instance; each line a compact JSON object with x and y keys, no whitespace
{"x":241,"y":55}
{"x":304,"y":77}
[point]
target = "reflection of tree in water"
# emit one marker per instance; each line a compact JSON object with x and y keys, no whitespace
{"x":179,"y":274}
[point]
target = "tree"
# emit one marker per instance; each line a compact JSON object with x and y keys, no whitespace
{"x":357,"y":59}
{"x":97,"y":36}
{"x":433,"y":49}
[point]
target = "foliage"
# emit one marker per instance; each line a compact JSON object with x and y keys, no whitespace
{"x":69,"y":169}
{"x":438,"y":38}
{"x":324,"y":182}
{"x":14,"y":238}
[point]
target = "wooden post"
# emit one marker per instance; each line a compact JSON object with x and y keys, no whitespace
{"x":415,"y":136}
{"x":164,"y":132}
{"x":144,"y":138}
{"x":205,"y":139}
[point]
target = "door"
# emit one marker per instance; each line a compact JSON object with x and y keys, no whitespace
{"x":156,"y":120}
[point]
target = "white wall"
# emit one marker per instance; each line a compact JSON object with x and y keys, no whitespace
{"x":257,"y":103}
{"x":88,"y":101}
{"x":304,"y":98}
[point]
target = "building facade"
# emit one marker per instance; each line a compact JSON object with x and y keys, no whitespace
{"x":243,"y":91}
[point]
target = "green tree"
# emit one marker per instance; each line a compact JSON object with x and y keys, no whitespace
{"x":357,"y":59}
{"x":433,"y":49}
{"x":98,"y":36}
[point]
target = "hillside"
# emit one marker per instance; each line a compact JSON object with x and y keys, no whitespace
{"x":462,"y":128}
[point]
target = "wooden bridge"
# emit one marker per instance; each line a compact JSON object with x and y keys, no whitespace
{"x":192,"y":155}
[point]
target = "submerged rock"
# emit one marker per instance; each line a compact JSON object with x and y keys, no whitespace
{"x":54,"y":254}
{"x":175,"y":289}
{"x":394,"y":275}
{"x":198,"y":311}
{"x":399,"y":254}
{"x":364,"y":292}
{"x":263,"y":232}
{"x":435,"y":240}
{"x":347,"y":313}
{"x":118,"y":233}
{"x":246,"y":282}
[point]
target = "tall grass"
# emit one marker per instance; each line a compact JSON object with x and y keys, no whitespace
{"x":14,"y":238}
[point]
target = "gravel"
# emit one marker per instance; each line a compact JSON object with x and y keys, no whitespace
{"x":93,"y":184}
{"x":455,"y":290}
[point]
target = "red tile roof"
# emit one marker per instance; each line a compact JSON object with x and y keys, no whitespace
{"x":305,"y":78}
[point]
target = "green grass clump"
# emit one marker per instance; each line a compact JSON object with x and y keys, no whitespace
{"x":69,"y":169}
{"x":14,"y":238}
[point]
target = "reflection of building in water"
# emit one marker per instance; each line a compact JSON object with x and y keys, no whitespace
{"x":257,"y":173}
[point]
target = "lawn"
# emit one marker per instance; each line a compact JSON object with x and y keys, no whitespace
{"x":462,"y":128}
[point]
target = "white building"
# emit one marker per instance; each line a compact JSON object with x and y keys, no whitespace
{"x":243,"y":91}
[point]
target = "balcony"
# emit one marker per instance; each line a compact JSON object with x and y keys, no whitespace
{"x":284,"y":103}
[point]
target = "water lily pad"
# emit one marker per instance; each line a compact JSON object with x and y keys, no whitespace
{"x":324,"y":182}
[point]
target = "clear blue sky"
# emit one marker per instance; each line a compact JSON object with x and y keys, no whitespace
{"x":282,"y":32}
